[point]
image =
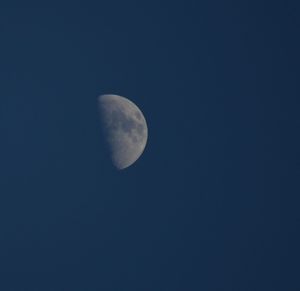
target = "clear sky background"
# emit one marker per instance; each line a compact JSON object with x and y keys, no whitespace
{"x":213,"y":203}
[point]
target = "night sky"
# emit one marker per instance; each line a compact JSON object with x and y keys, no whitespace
{"x":212,"y":204}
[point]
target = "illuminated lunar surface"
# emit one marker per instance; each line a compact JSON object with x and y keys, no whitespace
{"x":125,"y":129}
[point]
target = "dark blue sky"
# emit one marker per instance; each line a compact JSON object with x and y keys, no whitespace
{"x":213,"y":203}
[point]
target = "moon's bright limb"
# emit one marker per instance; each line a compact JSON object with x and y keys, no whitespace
{"x":125,"y":129}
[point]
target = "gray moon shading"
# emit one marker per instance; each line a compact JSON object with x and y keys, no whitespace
{"x":124,"y":127}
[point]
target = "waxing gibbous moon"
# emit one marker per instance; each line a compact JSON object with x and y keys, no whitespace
{"x":124,"y":127}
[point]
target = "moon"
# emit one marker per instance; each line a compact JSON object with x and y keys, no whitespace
{"x":125,"y":129}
